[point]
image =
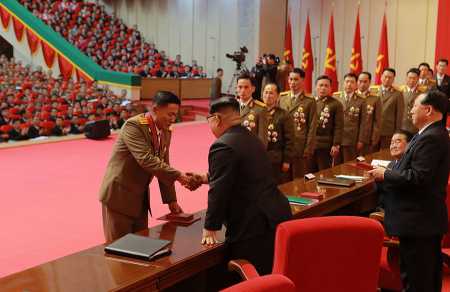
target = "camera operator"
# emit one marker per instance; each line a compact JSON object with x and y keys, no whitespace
{"x":264,"y":72}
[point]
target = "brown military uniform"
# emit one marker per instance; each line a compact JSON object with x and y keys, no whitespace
{"x":371,"y":121}
{"x":409,"y":96}
{"x":303,"y":112}
{"x":254,"y":118}
{"x":352,"y":134}
{"x":280,"y":138}
{"x":134,"y":162}
{"x":330,"y":126}
{"x":392,"y":113}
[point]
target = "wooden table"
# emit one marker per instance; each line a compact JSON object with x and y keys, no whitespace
{"x":92,"y":270}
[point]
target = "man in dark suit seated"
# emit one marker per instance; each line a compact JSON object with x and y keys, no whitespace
{"x":415,"y":193}
{"x":242,"y":193}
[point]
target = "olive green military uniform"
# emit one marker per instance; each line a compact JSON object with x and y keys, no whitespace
{"x":254,"y":118}
{"x":409,"y":96}
{"x":280,"y":139}
{"x":303,"y":112}
{"x":371,"y":121}
{"x":392,"y":113}
{"x":330,"y":126}
{"x":353,"y":105}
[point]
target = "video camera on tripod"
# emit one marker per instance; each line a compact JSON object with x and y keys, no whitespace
{"x":238,"y":57}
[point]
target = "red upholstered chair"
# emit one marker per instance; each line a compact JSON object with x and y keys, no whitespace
{"x":339,"y":254}
{"x":267,"y":283}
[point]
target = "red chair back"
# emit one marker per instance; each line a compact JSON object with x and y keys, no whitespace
{"x":339,"y":254}
{"x":268,"y":283}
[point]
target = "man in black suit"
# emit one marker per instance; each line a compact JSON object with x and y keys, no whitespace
{"x":415,"y":192}
{"x":242,"y":193}
{"x":442,"y":79}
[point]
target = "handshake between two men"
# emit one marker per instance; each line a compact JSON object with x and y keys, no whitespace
{"x":192,"y":181}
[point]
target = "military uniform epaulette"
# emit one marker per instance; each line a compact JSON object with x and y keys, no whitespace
{"x":143,"y":120}
{"x":397,"y":87}
{"x":337,"y":94}
{"x":403,"y":88}
{"x":260,"y":103}
{"x":422,"y":88}
{"x":374,"y":90}
{"x":285,"y":93}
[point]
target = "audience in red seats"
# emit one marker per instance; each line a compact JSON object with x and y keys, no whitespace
{"x":107,"y":40}
{"x":33,"y":104}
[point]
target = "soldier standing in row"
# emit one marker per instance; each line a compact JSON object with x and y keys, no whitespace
{"x":280,"y":135}
{"x":329,"y":128}
{"x":354,"y":105}
{"x":303,"y":112}
{"x":392,"y":107}
{"x":371,"y":115}
{"x":253,"y":112}
{"x":410,"y":92}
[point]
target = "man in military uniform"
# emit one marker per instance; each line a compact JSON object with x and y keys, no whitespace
{"x":303,"y":112}
{"x":354,"y":105}
{"x":425,"y":83}
{"x":371,"y":115}
{"x":392,"y":107}
{"x":140,"y":153}
{"x":253,"y":112}
{"x":280,"y":135}
{"x":410,"y":92}
{"x":330,"y":126}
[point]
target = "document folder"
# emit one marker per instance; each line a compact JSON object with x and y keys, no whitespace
{"x":341,"y":182}
{"x":139,"y":247}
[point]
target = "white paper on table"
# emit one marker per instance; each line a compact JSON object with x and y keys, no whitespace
{"x":379,"y":162}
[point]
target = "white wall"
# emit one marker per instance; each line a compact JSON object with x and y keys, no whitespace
{"x":204,"y":30}
{"x":411,"y":31}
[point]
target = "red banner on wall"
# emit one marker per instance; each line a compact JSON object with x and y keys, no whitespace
{"x":18,"y":29}
{"x":65,"y":67}
{"x":33,"y":41}
{"x":5,"y":16}
{"x":443,"y":31}
{"x":48,"y":53}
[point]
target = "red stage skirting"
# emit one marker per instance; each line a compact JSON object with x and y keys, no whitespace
{"x":49,"y":206}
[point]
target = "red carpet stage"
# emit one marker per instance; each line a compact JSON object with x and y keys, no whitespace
{"x":49,"y":206}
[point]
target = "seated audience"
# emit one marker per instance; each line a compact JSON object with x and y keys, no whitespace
{"x":33,"y":103}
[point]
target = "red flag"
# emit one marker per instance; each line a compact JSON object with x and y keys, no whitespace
{"x":307,"y":59}
{"x":356,"y":59}
{"x":330,"y":58}
{"x":383,"y":52}
{"x":288,"y":43}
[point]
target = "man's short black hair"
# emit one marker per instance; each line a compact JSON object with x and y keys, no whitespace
{"x":324,"y":77}
{"x":219,"y":70}
{"x":247,"y":76}
{"x":408,"y":135}
{"x":274,"y":84}
{"x":163,"y":98}
{"x":413,"y":70}
{"x":224,"y":102}
{"x":299,"y":71}
{"x":351,"y":75}
{"x":443,"y":61}
{"x":437,"y":99}
{"x":366,"y":73}
{"x":389,"y":69}
{"x":424,"y":64}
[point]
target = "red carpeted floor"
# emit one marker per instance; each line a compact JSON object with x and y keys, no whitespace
{"x":49,"y":206}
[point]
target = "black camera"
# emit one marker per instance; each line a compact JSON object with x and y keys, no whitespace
{"x":238,"y":56}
